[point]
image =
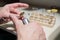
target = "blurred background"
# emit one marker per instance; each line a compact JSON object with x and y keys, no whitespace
{"x":3,"y":2}
{"x":39,"y":3}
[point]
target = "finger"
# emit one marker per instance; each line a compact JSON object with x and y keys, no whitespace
{"x":42,"y":35}
{"x":15,"y":11}
{"x":16,"y":5}
{"x":17,"y":15}
{"x":18,"y":23}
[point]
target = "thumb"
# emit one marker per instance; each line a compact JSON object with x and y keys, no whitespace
{"x":18,"y":23}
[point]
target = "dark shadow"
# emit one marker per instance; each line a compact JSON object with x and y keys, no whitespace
{"x":58,"y":37}
{"x":4,"y":35}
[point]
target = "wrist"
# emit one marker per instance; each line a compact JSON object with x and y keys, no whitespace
{"x":0,"y":13}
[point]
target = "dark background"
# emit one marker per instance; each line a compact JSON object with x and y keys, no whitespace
{"x":39,"y":3}
{"x":3,"y":2}
{"x":4,"y":35}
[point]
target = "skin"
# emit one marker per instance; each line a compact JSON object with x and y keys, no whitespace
{"x":31,"y":31}
{"x":10,"y":9}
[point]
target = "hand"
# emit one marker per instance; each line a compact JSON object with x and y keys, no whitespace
{"x":31,"y":31}
{"x":11,"y":9}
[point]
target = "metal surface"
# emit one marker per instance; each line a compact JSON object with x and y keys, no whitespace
{"x":25,"y":21}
